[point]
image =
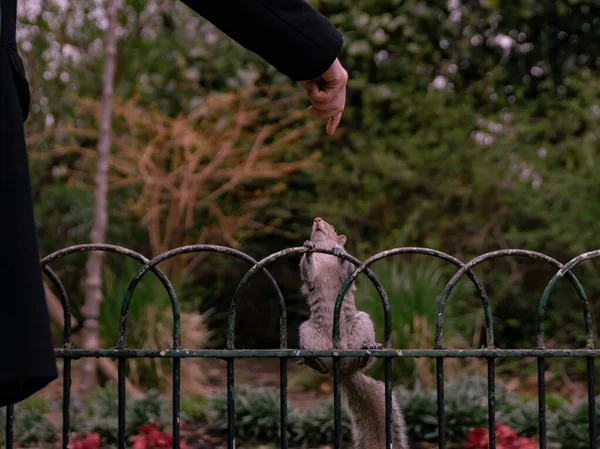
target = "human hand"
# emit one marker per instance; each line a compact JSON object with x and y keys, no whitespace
{"x":327,"y":94}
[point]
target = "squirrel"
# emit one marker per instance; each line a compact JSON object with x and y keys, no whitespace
{"x":322,"y":278}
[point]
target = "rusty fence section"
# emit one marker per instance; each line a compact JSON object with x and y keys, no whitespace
{"x":489,"y":352}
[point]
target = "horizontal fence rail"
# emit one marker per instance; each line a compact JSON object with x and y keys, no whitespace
{"x":489,"y":352}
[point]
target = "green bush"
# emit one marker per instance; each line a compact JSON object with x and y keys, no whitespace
{"x":256,"y":413}
{"x":194,"y":407}
{"x":35,"y":403}
{"x":572,"y":425}
{"x":31,"y":428}
{"x":555,"y":401}
{"x":99,"y":413}
{"x":420,"y":413}
{"x":153,"y":407}
{"x":522,"y":417}
{"x":317,"y":425}
{"x":257,"y":417}
{"x":465,"y":406}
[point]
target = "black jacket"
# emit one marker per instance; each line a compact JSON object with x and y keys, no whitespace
{"x":288,"y":34}
{"x":27,"y":358}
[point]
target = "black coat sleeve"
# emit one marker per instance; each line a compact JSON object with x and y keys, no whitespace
{"x":289,"y":34}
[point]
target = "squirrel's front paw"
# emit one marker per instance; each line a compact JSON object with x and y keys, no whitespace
{"x":337,"y":250}
{"x":366,"y":360}
{"x":316,"y":364}
{"x":309,"y":244}
{"x":372,"y":345}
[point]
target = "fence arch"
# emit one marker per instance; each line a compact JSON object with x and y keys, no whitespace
{"x":490,"y":352}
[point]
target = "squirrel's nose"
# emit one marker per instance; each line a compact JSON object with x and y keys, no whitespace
{"x":318,"y":219}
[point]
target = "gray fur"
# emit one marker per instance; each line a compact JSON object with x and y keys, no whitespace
{"x":322,"y":278}
{"x":366,"y":400}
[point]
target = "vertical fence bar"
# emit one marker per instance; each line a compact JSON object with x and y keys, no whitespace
{"x":542,"y":402}
{"x":230,"y":405}
{"x":491,"y":402}
{"x":283,"y":401}
{"x":337,"y":403}
{"x":66,"y":406}
{"x":122,"y":403}
{"x":176,"y":402}
{"x":67,"y":344}
{"x":9,"y":426}
{"x":592,"y":403}
{"x":439,"y":365}
{"x":388,"y":402}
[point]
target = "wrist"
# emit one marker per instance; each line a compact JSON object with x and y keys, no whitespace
{"x":335,"y":72}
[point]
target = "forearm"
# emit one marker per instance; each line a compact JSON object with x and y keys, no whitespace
{"x":289,"y":34}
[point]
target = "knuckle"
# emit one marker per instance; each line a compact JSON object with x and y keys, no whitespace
{"x":344,"y":75}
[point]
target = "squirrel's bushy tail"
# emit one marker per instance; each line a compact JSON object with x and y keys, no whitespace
{"x":366,"y":401}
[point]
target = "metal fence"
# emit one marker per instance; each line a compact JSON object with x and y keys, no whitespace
{"x":489,"y":352}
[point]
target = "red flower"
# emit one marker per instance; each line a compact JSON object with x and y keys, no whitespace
{"x":139,"y":442}
{"x":505,"y":432}
{"x":506,"y":438}
{"x":159,"y":439}
{"x":151,"y":437}
{"x":477,"y":438}
{"x":148,"y":427}
{"x":90,"y":440}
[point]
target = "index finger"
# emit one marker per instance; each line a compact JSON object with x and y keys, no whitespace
{"x":333,"y":123}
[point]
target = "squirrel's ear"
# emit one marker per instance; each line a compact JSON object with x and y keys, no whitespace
{"x":342,"y":239}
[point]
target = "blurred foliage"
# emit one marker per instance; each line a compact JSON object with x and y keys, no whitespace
{"x":572,"y":425}
{"x":316,"y":425}
{"x":98,"y":413}
{"x":470,"y":126}
{"x":257,"y":416}
{"x":257,"y":413}
{"x":31,"y":426}
{"x":194,"y":407}
{"x":466,"y":406}
{"x":412,"y":292}
{"x":150,"y":326}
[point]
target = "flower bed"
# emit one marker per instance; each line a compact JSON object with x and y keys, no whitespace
{"x":204,"y":420}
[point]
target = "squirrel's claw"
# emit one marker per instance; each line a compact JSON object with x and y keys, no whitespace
{"x":372,"y":345}
{"x":365,"y":360}
{"x":337,"y":250}
{"x":309,"y":244}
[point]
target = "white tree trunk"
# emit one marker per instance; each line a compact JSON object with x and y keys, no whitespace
{"x":93,"y":280}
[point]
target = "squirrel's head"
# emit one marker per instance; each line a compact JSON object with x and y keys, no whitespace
{"x":323,"y":232}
